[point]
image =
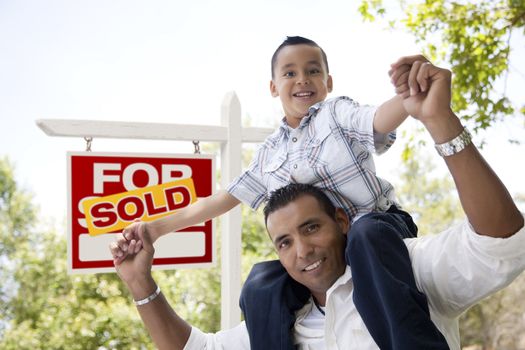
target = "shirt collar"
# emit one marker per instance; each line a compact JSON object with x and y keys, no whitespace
{"x":312,"y":112}
{"x":344,"y":279}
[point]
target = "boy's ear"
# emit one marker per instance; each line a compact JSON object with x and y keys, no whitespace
{"x":273,"y":89}
{"x":330,"y":83}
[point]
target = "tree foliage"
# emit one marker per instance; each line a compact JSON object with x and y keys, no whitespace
{"x":474,"y":38}
{"x":431,"y":200}
{"x":42,"y":307}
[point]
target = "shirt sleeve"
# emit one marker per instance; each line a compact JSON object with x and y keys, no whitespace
{"x":358,"y":122}
{"x":232,"y":339}
{"x":458,"y":267}
{"x":249,"y":187}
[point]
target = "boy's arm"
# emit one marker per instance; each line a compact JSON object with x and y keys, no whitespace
{"x":202,"y":210}
{"x":392,"y":113}
{"x":389,"y":115}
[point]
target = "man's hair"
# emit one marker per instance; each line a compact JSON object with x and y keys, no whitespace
{"x":297,"y":40}
{"x":289,"y":193}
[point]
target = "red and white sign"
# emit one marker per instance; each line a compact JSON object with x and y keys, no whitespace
{"x":107,"y":191}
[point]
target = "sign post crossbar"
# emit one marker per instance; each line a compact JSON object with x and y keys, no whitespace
{"x":231,"y":136}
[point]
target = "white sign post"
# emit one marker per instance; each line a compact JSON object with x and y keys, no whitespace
{"x":231,"y":136}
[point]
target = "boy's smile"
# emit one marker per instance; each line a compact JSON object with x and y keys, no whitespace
{"x":300,"y":80}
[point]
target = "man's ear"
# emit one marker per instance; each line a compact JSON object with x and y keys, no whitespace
{"x":330,"y":83}
{"x":273,"y":89}
{"x":342,"y":220}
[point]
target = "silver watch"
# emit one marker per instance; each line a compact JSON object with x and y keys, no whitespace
{"x":455,"y":145}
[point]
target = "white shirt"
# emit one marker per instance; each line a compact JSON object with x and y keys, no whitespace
{"x":455,"y":269}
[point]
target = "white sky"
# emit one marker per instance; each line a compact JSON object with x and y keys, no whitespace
{"x":173,"y":62}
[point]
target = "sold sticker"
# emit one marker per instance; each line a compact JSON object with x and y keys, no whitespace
{"x":115,"y":212}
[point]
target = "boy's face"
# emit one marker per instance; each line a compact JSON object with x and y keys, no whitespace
{"x":300,"y":80}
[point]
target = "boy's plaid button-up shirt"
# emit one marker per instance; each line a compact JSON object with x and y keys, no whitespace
{"x":330,"y":149}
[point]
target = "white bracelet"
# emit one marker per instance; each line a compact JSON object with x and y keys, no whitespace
{"x":455,"y":145}
{"x":149,"y":298}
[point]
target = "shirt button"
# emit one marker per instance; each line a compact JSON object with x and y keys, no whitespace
{"x":294,"y":139}
{"x":295,"y":166}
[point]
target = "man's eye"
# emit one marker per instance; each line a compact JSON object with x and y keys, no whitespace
{"x":283,"y":244}
{"x":312,"y":228}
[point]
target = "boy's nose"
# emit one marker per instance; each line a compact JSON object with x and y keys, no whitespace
{"x":303,"y":79}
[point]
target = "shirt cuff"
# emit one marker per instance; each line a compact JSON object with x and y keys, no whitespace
{"x":247,"y":190}
{"x":382,"y":142}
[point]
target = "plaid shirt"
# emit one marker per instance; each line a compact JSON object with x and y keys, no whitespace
{"x":331,"y":149}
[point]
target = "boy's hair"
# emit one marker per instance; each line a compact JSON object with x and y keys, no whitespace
{"x":289,"y":193}
{"x":297,"y":40}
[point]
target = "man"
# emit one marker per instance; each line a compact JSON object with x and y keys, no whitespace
{"x":455,"y":269}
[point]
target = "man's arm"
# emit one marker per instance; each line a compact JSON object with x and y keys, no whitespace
{"x":200,"y":211}
{"x":485,"y":200}
{"x":165,"y":327}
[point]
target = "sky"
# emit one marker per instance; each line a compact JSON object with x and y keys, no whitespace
{"x":173,"y":62}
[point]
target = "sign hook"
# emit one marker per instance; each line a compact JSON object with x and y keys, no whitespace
{"x":88,"y":143}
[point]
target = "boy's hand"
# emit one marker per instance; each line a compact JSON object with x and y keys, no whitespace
{"x":135,"y":269}
{"x":129,"y":242}
{"x":399,"y":78}
{"x":405,"y":78}
{"x":426,"y":93}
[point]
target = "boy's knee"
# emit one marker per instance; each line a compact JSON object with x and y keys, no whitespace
{"x":367,"y":229}
{"x":373,"y":231}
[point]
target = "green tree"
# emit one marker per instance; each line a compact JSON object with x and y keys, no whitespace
{"x":431,"y":199}
{"x":42,"y":307}
{"x":474,"y":38}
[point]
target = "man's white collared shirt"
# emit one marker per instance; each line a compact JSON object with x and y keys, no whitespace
{"x":455,"y":269}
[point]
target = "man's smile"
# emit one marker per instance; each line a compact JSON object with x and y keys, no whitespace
{"x":314,"y":265}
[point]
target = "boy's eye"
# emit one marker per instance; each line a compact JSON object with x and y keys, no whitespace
{"x":289,"y":74}
{"x":315,"y":71}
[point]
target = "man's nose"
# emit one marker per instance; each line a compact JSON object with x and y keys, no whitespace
{"x":304,"y":248}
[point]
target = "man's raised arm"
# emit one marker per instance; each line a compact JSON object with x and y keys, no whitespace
{"x":485,"y":200}
{"x":165,"y":327}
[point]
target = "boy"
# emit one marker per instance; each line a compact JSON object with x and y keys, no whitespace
{"x":327,"y":144}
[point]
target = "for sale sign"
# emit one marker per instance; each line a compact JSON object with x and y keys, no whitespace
{"x":108,"y":191}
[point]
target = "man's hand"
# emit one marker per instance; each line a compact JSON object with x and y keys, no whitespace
{"x":136,"y":265}
{"x":425,"y":88}
{"x":130,"y":241}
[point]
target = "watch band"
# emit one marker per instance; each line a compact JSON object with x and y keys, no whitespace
{"x":455,"y":145}
{"x":149,"y":298}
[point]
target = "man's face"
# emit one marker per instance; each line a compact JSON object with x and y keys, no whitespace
{"x":300,"y":80}
{"x":310,"y":243}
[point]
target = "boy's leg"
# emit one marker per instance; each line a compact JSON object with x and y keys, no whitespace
{"x":269,"y":299}
{"x":385,"y":293}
